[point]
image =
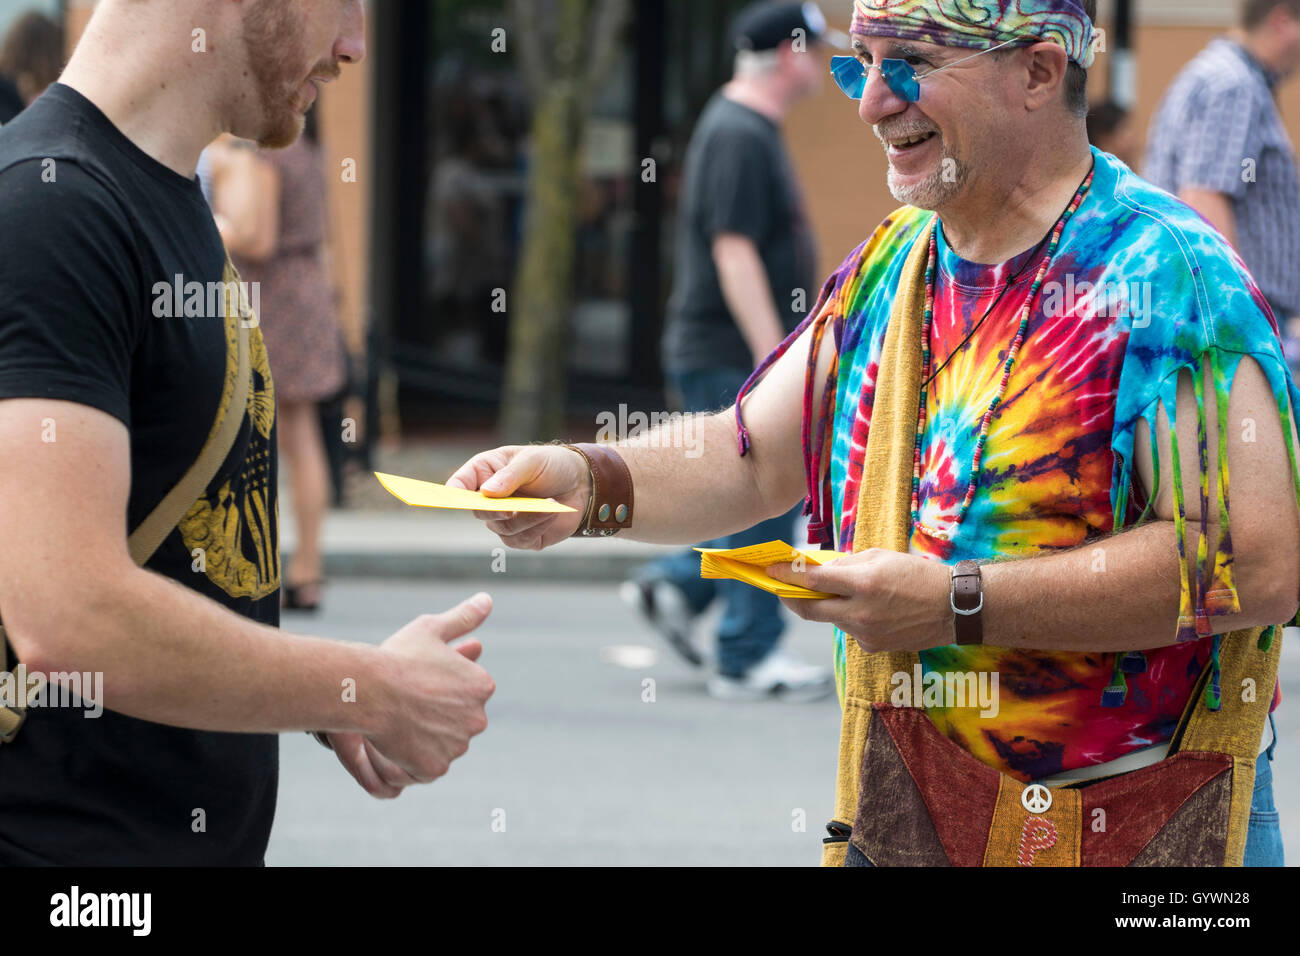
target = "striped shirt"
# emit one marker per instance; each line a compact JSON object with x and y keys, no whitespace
{"x":1218,"y":128}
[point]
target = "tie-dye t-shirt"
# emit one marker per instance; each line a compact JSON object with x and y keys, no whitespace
{"x":1141,"y":287}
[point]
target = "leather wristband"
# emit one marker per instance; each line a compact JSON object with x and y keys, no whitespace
{"x":610,"y":509}
{"x":967,"y":600}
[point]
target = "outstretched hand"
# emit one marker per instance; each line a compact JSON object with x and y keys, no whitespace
{"x":534,"y":471}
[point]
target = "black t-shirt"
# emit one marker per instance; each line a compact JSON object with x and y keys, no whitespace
{"x":738,"y":179}
{"x":11,"y":103}
{"x":95,"y":238}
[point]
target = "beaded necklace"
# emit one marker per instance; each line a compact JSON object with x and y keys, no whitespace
{"x":1012,"y":353}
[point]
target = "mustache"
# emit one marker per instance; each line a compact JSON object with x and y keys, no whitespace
{"x":327,"y":70}
{"x":901,"y":131}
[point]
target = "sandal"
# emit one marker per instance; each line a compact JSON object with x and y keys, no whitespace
{"x":291,"y":597}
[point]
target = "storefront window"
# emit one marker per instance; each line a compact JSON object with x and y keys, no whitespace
{"x":473,"y":129}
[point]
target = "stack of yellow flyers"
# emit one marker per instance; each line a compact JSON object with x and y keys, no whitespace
{"x":747,"y":565}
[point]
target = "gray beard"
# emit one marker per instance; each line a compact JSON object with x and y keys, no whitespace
{"x":935,"y":190}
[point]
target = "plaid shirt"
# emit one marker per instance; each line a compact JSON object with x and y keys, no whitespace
{"x":1218,"y":128}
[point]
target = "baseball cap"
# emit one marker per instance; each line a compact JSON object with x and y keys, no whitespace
{"x":764,"y":26}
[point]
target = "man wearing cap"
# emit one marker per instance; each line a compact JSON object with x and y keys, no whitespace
{"x":744,"y":280}
{"x":1021,"y":400}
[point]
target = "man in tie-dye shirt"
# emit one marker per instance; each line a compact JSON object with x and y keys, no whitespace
{"x":1110,"y":348}
{"x":1140,"y":297}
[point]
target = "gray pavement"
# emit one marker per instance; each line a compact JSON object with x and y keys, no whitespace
{"x":579,"y":768}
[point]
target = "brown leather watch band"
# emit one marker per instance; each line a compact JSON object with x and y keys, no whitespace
{"x":967,"y":601}
{"x":610,"y":509}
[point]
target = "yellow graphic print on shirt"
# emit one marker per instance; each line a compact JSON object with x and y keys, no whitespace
{"x":236,"y":526}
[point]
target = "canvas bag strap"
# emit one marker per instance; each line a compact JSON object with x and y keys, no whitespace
{"x":884,"y":513}
{"x":1248,"y":669}
{"x":883,"y":517}
{"x":153,"y":531}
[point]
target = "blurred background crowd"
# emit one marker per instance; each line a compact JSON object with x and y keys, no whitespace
{"x":464,"y":250}
{"x":441,"y":128}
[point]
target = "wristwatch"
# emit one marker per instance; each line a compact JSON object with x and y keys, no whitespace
{"x":966,"y":598}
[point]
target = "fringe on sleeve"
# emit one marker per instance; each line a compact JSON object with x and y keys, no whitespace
{"x":1208,"y":588}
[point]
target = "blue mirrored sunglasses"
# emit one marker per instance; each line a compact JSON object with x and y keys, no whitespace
{"x":850,"y":74}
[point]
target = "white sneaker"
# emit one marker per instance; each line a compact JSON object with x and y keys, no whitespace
{"x":664,"y":607}
{"x":780,"y":675}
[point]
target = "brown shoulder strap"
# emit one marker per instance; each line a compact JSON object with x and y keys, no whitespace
{"x":153,"y":531}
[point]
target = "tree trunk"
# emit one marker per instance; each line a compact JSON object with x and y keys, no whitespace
{"x":564,"y":61}
{"x":533,"y":406}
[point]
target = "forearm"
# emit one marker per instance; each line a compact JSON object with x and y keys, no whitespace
{"x":748,"y":294}
{"x":170,"y":655}
{"x":690,"y":480}
{"x":1114,"y":594}
{"x":242,"y":240}
{"x":246,"y":203}
{"x":691,"y":484}
{"x":699,"y":488}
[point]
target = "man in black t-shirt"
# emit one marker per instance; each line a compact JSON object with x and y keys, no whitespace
{"x":745,"y":275}
{"x":113,"y":376}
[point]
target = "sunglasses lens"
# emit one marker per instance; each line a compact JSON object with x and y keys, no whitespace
{"x":849,"y":76}
{"x":901,"y":78}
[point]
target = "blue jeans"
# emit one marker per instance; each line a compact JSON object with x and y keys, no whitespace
{"x":1264,"y":836}
{"x":751,"y":623}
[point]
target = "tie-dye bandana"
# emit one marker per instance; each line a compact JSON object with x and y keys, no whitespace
{"x":1140,"y":290}
{"x":975,"y":24}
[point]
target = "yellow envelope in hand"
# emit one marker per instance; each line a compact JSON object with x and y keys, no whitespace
{"x":429,"y":494}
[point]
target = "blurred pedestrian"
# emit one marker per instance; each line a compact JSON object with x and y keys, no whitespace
{"x":745,"y":276}
{"x":31,"y":57}
{"x":1111,"y":129}
{"x":270,"y":206}
{"x":467,"y":255}
{"x":1218,"y":142}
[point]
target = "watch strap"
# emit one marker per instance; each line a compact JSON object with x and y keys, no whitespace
{"x":967,"y":601}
